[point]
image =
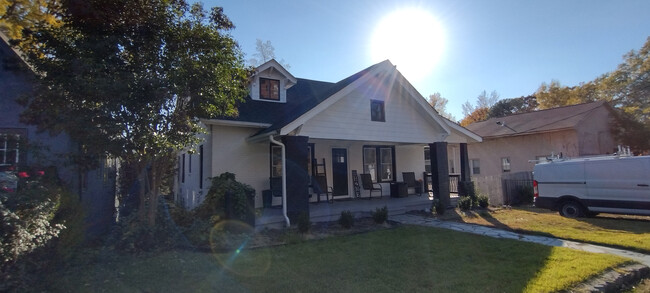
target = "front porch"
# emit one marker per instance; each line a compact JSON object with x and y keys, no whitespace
{"x":361,"y":207}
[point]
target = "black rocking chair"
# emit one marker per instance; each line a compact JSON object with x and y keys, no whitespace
{"x":366,"y":182}
{"x":409,"y":178}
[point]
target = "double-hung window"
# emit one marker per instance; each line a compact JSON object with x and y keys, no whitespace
{"x":276,"y":161}
{"x":476,"y":166}
{"x":9,"y":149}
{"x":505,"y":164}
{"x":379,"y":162}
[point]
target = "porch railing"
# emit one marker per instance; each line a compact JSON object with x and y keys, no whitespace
{"x":453,"y":182}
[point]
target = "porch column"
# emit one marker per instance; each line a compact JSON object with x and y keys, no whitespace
{"x":440,"y":172}
{"x":465,"y":175}
{"x":297,"y":176}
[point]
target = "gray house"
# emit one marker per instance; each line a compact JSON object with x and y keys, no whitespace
{"x":21,"y":145}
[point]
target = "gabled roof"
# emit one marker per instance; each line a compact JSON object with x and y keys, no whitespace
{"x":272,"y":64}
{"x":548,"y":120}
{"x":302,"y":97}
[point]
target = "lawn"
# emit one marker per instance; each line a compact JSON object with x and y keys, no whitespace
{"x":403,"y":259}
{"x":628,"y":232}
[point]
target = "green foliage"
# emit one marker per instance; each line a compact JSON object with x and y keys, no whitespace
{"x":438,"y":207}
{"x":215,"y":203}
{"x":483,"y":201}
{"x":304,"y":224}
{"x":29,"y":221}
{"x":465,"y":203}
{"x":346,"y":219}
{"x":380,"y":215}
{"x":131,"y":79}
{"x":626,"y":89}
{"x":507,"y":107}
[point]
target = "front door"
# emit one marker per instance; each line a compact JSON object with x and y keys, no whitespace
{"x":339,"y":172}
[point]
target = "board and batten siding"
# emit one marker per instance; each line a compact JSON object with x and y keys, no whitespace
{"x":349,"y":119}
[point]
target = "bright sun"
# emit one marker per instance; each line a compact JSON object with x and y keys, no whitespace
{"x":412,"y":39}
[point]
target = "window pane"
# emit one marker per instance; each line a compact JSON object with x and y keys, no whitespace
{"x":276,"y":161}
{"x":476,"y":166}
{"x":370,"y":162}
{"x":505,"y":164}
{"x":377,"y":111}
{"x":269,"y":89}
{"x":387,"y":164}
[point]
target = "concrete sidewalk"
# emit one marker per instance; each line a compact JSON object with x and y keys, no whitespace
{"x":498,"y":233}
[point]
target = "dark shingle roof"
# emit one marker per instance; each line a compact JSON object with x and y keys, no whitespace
{"x":302,"y":97}
{"x":534,"y":122}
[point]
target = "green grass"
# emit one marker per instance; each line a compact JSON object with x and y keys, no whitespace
{"x":405,"y":259}
{"x":630,"y":232}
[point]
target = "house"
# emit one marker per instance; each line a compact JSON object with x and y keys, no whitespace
{"x":21,"y":145}
{"x":373,"y":122}
{"x":511,"y":142}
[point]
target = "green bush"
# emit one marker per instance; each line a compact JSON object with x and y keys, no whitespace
{"x":304,"y":224}
{"x":438,"y":206}
{"x":347,"y":219}
{"x":465,"y":203}
{"x":215,"y":203}
{"x":483,"y":201}
{"x":380,"y":215}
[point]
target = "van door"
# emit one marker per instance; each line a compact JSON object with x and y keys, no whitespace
{"x":618,"y":185}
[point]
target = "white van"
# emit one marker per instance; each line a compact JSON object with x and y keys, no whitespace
{"x":588,"y":186}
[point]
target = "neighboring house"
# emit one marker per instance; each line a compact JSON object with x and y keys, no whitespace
{"x":373,"y":121}
{"x":22,"y":145}
{"x":510,"y":142}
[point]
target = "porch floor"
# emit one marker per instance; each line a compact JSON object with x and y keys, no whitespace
{"x":360,"y":207}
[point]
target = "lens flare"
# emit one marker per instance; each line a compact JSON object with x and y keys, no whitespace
{"x":229,"y":241}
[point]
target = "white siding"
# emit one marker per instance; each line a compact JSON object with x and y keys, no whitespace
{"x":349,"y":119}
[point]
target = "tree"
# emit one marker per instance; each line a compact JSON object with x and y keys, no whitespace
{"x":481,"y":110}
{"x":264,"y":51}
{"x":440,"y":105}
{"x":19,"y":15}
{"x":507,"y":107}
{"x":130,"y":79}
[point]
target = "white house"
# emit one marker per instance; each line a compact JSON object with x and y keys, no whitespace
{"x":373,"y":122}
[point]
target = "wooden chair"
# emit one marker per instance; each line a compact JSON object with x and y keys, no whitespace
{"x":319,"y":186}
{"x":366,"y":182}
{"x":409,"y":178}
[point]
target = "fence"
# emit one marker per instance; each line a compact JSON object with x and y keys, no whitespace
{"x":506,"y":188}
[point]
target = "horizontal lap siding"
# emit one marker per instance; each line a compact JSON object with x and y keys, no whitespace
{"x":349,"y":119}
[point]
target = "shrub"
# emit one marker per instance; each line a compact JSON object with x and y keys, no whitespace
{"x":215,"y":203}
{"x":438,"y":207}
{"x":465,"y":203}
{"x":380,"y":215}
{"x":304,"y":224}
{"x":483,"y":201}
{"x":346,"y":220}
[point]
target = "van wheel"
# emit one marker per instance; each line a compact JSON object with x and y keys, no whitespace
{"x":571,"y":209}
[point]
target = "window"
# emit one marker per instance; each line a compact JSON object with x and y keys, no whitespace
{"x":269,"y":89}
{"x":9,"y":149}
{"x":476,"y":166}
{"x":377,"y":111}
{"x":183,"y":172}
{"x":276,"y":161}
{"x":379,"y":162}
{"x":452,"y":166}
{"x":505,"y":164}
{"x":201,"y":166}
{"x":427,"y":160}
{"x":310,"y":161}
{"x":189,"y":163}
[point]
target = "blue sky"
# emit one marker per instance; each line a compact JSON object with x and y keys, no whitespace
{"x":507,"y":46}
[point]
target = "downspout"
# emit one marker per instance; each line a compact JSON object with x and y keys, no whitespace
{"x":284,"y":180}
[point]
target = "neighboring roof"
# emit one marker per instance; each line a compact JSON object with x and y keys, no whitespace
{"x":18,"y":54}
{"x":537,"y":121}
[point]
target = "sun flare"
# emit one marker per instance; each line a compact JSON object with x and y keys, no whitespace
{"x":411,"y":39}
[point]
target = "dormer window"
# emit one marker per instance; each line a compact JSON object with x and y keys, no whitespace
{"x":269,"y":89}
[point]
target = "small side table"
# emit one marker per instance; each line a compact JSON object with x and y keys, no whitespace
{"x":398,"y":189}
